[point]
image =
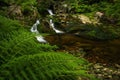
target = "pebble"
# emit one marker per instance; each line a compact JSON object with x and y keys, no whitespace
{"x":105,"y":72}
{"x":97,"y":66}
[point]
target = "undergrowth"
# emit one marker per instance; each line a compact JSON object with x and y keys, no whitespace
{"x":22,"y":57}
{"x":21,"y":43}
{"x":46,"y":66}
{"x":7,"y":26}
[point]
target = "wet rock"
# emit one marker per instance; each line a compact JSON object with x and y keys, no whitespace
{"x":45,"y":27}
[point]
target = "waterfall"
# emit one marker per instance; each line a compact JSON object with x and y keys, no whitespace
{"x":34,"y":27}
{"x":50,"y":12}
{"x":41,"y":39}
{"x":52,"y":24}
{"x":53,"y":27}
{"x":34,"y":30}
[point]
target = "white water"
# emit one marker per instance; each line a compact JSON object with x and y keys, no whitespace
{"x":34,"y":30}
{"x":34,"y":27}
{"x":53,"y":27}
{"x":50,"y":12}
{"x":41,"y":39}
{"x":52,"y":24}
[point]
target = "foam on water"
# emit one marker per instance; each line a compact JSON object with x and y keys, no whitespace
{"x":34,"y":30}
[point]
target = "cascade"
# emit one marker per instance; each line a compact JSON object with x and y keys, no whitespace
{"x":50,"y":12}
{"x":52,"y":24}
{"x":53,"y":27}
{"x":34,"y":27}
{"x":34,"y":30}
{"x":41,"y":39}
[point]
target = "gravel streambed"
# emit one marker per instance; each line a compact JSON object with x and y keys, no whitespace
{"x":104,"y":72}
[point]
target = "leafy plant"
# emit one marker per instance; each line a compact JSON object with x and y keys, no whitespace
{"x":28,"y":6}
{"x":19,"y":1}
{"x":113,"y":11}
{"x":20,"y":43}
{"x":7,"y":26}
{"x":45,"y":66}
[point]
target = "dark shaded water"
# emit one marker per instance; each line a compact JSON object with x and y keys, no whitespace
{"x":97,"y":51}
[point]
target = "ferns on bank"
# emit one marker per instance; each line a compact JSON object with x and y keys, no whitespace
{"x":19,"y":58}
{"x":45,"y":66}
{"x":20,"y":43}
{"x":7,"y":26}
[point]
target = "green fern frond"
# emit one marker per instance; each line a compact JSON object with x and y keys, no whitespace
{"x":20,"y":43}
{"x":7,"y":26}
{"x":45,"y":66}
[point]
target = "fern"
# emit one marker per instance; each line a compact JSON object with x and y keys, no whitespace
{"x":45,"y":66}
{"x":20,"y":43}
{"x":7,"y":26}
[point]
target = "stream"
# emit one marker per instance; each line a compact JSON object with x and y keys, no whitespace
{"x":39,"y":37}
{"x":106,"y":52}
{"x":103,"y":54}
{"x":52,"y":24}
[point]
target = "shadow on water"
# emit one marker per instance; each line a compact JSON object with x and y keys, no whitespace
{"x":97,"y":51}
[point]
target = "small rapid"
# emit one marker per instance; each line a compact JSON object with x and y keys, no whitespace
{"x":52,"y":24}
{"x":34,"y":29}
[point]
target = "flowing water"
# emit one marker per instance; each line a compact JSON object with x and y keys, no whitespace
{"x":34,"y":27}
{"x":50,"y":12}
{"x":107,"y":52}
{"x":96,"y":51}
{"x":53,"y":27}
{"x":34,"y":30}
{"x":52,"y":24}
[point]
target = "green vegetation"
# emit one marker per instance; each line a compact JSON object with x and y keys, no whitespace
{"x":7,"y":26}
{"x":21,"y":43}
{"x":46,"y":66}
{"x":22,"y":57}
{"x":18,"y":2}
